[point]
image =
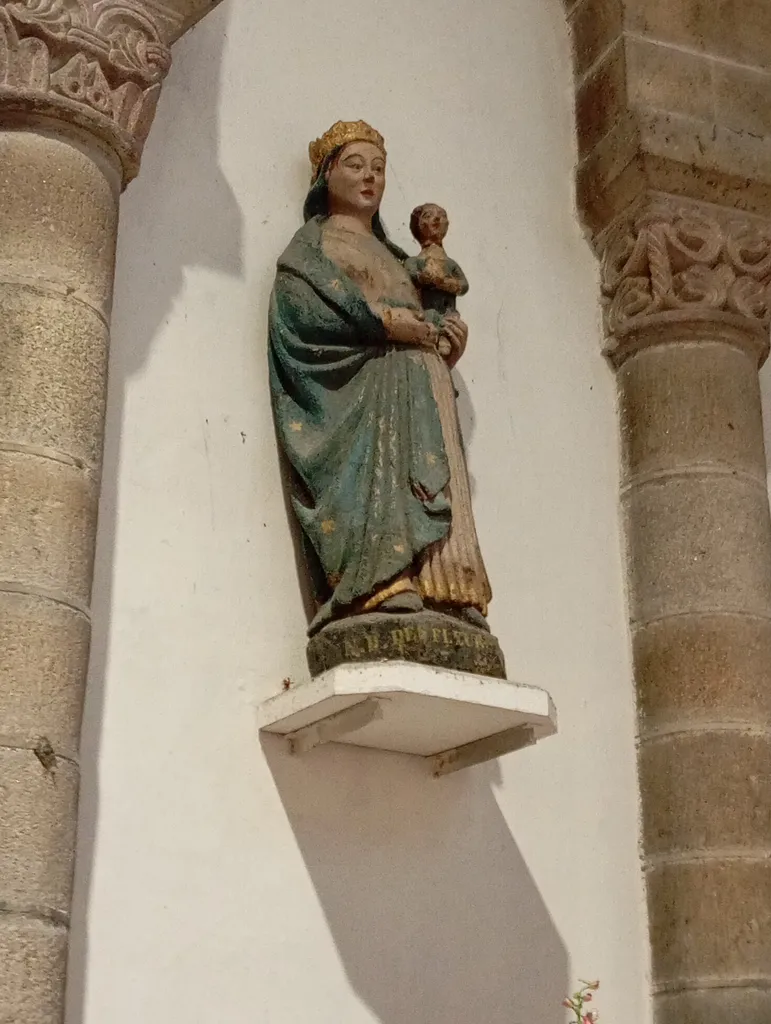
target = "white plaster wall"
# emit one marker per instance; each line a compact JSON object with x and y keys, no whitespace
{"x":224,"y":882}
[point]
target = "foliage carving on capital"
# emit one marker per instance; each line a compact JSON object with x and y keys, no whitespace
{"x":96,"y":63}
{"x":685,"y":257}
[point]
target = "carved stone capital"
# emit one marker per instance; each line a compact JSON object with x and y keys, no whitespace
{"x":94,"y":64}
{"x":673,"y":261}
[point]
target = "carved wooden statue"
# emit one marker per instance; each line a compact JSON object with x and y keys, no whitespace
{"x":362,"y":340}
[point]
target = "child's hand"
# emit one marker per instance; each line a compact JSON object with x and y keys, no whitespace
{"x":434,"y":275}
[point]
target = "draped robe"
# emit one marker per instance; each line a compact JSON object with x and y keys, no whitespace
{"x":358,"y":423}
{"x":365,"y":425}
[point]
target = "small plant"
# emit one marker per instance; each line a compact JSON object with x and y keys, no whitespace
{"x":577,"y":1003}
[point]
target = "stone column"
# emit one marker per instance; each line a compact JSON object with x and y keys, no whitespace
{"x":78,"y":87}
{"x":673,"y":117}
{"x":687,"y":304}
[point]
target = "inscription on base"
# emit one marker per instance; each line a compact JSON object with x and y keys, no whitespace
{"x":428,"y":638}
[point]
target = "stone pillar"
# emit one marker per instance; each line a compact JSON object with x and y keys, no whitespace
{"x":673,"y":102}
{"x":79,"y":82}
{"x":687,"y":303}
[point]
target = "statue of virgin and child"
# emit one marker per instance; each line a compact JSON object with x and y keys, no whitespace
{"x":362,"y":342}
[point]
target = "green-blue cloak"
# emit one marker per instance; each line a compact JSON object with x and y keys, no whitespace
{"x":357,"y":420}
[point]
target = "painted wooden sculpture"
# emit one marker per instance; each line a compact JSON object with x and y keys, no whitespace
{"x":362,"y":341}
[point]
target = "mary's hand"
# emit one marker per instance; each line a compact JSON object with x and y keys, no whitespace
{"x":455,"y":331}
{"x":406,"y":327}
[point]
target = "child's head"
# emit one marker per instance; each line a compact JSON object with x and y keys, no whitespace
{"x":429,"y":223}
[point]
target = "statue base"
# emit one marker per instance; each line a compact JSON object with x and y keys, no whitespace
{"x":426,"y":638}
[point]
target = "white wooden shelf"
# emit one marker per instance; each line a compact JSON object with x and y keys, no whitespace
{"x":453,"y":719}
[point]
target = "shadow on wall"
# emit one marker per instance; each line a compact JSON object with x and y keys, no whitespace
{"x":158,"y":238}
{"x":432,"y":909}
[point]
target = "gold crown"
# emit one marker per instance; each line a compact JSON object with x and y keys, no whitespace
{"x":340,"y":134}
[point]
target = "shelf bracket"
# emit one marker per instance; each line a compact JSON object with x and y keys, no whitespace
{"x":483,"y":750}
{"x":330,"y":729}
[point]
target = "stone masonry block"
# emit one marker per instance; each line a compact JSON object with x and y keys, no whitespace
{"x":38,"y":816}
{"x":33,"y":959}
{"x":710,"y":920}
{"x":612,"y":176}
{"x":706,"y":161}
{"x":681,"y":405}
{"x":736,"y":30}
{"x":743,"y":99}
{"x":703,"y":668}
{"x":58,"y":215}
{"x":733,"y":1005}
{"x":53,"y":372}
{"x":43,"y":664}
{"x":683,"y":23}
{"x":651,"y":150}
{"x":697,"y":543}
{"x":48,"y":525}
{"x":594,"y":25}
{"x":678,"y":104}
{"x":601,"y":99}
{"x":706,"y":791}
{"x":666,"y":78}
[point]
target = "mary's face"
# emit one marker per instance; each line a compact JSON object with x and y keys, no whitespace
{"x":356,"y":179}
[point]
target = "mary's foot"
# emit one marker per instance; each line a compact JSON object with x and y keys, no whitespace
{"x":475,"y":617}
{"x":407,"y":601}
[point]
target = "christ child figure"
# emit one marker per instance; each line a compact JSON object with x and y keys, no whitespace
{"x":438,"y":278}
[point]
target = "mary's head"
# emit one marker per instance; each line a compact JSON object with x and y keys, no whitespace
{"x":349,"y":165}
